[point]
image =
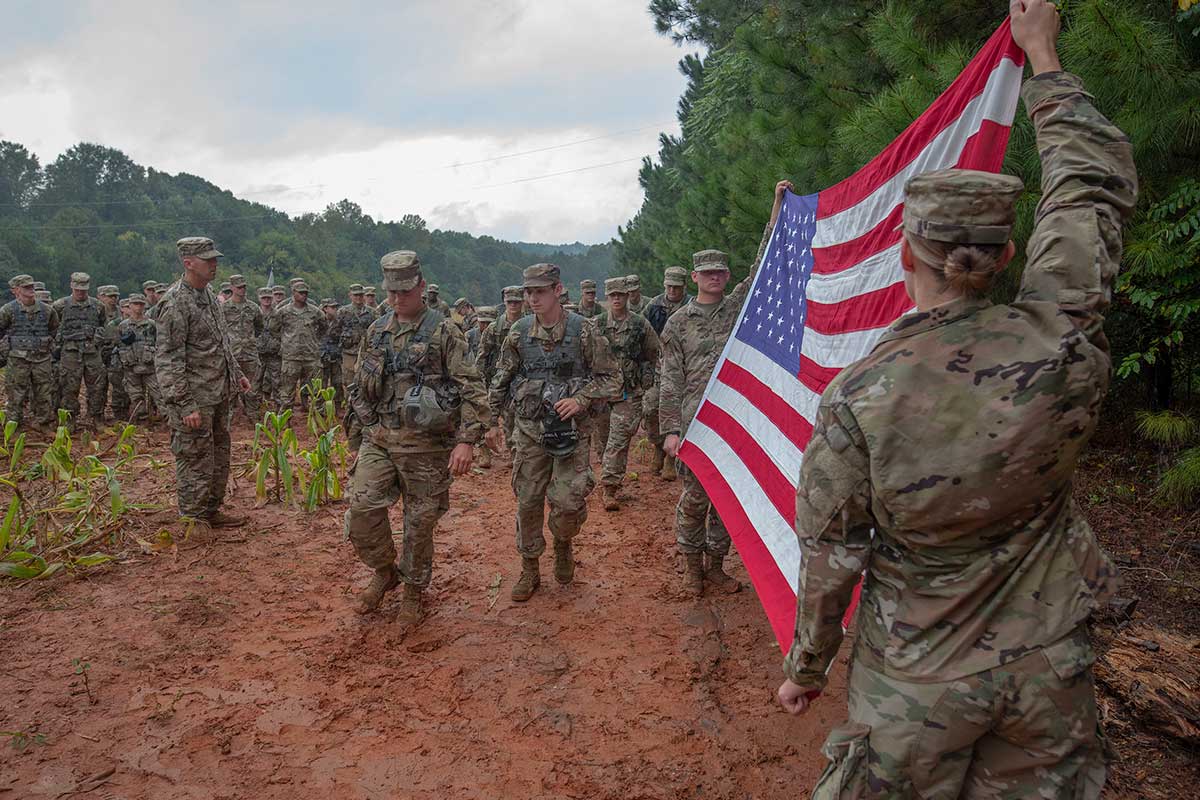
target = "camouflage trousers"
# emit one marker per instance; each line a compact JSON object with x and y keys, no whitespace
{"x":202,"y":461}
{"x":624,"y":419}
{"x":650,"y":416}
{"x":294,"y":376}
{"x":76,"y":368}
{"x":143,"y":394}
{"x":331,"y":375}
{"x":251,"y":401}
{"x":380,"y":479}
{"x":119,"y":397}
{"x":268,"y":386}
{"x":30,"y":382}
{"x":698,"y":526}
{"x":1026,"y":729}
{"x":601,"y":416}
{"x":539,"y":478}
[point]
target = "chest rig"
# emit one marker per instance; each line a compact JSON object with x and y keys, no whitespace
{"x":408,"y":387}
{"x":29,"y":335}
{"x":548,"y":377}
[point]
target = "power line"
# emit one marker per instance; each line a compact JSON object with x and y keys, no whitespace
{"x":127,"y":225}
{"x":556,"y":174}
{"x":553,"y":147}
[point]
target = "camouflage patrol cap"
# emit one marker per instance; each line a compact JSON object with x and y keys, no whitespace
{"x":356,"y":288}
{"x":618,"y":285}
{"x":293,"y":281}
{"x":160,"y":287}
{"x":38,"y":286}
{"x":710,"y":261}
{"x":137,"y":297}
{"x":540,"y":275}
{"x":961,"y":206}
{"x":401,"y":271}
{"x":108,"y":290}
{"x":571,"y":307}
{"x":80,"y":280}
{"x":263,"y":291}
{"x":299,"y":285}
{"x":149,"y":285}
{"x":564,"y":296}
{"x":278,"y":290}
{"x":486,"y":313}
{"x":675,"y":276}
{"x":432,"y":289}
{"x":197,"y":247}
{"x":329,"y":301}
{"x":369,"y":291}
{"x":588,"y":285}
{"x":462,"y":301}
{"x":633,"y":283}
{"x":226,"y":286}
{"x":17,"y":281}
{"x":514,"y":294}
{"x":123,"y":302}
{"x":41,"y":294}
{"x":237,"y":280}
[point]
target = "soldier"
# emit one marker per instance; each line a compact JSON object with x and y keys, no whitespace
{"x":268,"y":347}
{"x":564,"y":297}
{"x":119,"y":399}
{"x":197,"y":374}
{"x":160,"y":290}
{"x":244,"y":325}
{"x":972,"y":668}
{"x":371,"y":302}
{"x":422,"y":407}
{"x":331,"y":351}
{"x":226,"y":292}
{"x":279,"y":294}
{"x":352,"y":322}
{"x":554,"y":365}
{"x":137,"y":339}
{"x":484,"y":316}
{"x":80,"y":333}
{"x":301,"y":327}
{"x":436,"y":304}
{"x":28,"y":326}
{"x":635,"y":349}
{"x":588,"y":307}
{"x":464,"y":314}
{"x":637,"y":303}
{"x":489,"y":351}
{"x":150,"y":290}
{"x":658,"y":310}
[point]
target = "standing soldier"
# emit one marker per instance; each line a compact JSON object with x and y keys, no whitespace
{"x":371,"y":302}
{"x":279,"y":295}
{"x":353,"y":319}
{"x":149,"y":289}
{"x":301,"y":327}
{"x":80,"y":333}
{"x":137,"y":342}
{"x":588,"y":307}
{"x":244,"y":324}
{"x":421,"y":407}
{"x":484,"y":316}
{"x":637,"y":303}
{"x":28,"y":327}
{"x":554,"y":365}
{"x":197,"y":375}
{"x":268,"y":347}
{"x":331,"y":351}
{"x":110,"y":297}
{"x":435,"y":303}
{"x":489,"y":352}
{"x":635,"y":349}
{"x":226,"y":292}
{"x":658,"y":311}
{"x":942,"y":463}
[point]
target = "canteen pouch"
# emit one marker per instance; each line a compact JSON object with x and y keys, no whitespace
{"x":845,"y":777}
{"x":559,"y":436}
{"x":422,"y":411}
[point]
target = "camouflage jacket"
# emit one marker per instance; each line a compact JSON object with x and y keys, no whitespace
{"x":660,"y":309}
{"x":489,"y":348}
{"x":349,"y":326}
{"x":589,"y":312}
{"x":193,"y":357}
{"x":33,"y":347}
{"x":444,"y":356}
{"x":244,"y":323}
{"x":300,"y":332}
{"x":956,"y":440}
{"x":268,"y":340}
{"x":137,"y":342}
{"x":81,"y":324}
{"x":440,"y":305}
{"x":635,"y":349}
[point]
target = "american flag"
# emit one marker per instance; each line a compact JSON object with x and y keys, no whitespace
{"x":828,"y":286}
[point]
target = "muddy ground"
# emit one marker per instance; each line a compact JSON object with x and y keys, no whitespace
{"x":234,"y":667}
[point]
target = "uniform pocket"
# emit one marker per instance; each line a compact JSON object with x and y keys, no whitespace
{"x":1071,"y":656}
{"x":527,"y":400}
{"x":845,"y":778}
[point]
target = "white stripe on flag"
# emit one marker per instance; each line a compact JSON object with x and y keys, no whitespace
{"x":841,"y":349}
{"x":872,"y":273}
{"x":774,"y":443}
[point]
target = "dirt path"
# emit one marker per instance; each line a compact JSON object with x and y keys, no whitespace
{"x":237,"y":669}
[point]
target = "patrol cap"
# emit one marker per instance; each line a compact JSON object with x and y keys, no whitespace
{"x":226,"y":286}
{"x":961,"y":206}
{"x":80,"y":280}
{"x":462,"y":301}
{"x":710,"y":261}
{"x":633,"y":282}
{"x":137,"y":297}
{"x":300,"y":286}
{"x":540,"y":275}
{"x":402,"y":271}
{"x":263,"y":291}
{"x":149,"y":285}
{"x":123,"y":302}
{"x":486,"y":313}
{"x":571,"y":306}
{"x":38,"y":286}
{"x":17,"y":281}
{"x":294,"y":281}
{"x":616,"y":286}
{"x":160,"y":287}
{"x":356,"y":288}
{"x":369,"y":291}
{"x":514,"y":294}
{"x":432,"y":288}
{"x":675,"y":276}
{"x":329,"y":301}
{"x":588,"y":285}
{"x":279,"y":290}
{"x":564,"y":295}
{"x":41,"y":294}
{"x":237,"y":280}
{"x":197,"y":247}
{"x":108,"y":290}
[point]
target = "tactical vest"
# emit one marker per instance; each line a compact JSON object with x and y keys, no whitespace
{"x":29,"y":336}
{"x":488,"y":367}
{"x":354,"y":328}
{"x":630,"y":353}
{"x":389,"y":377}
{"x":79,"y":324}
{"x":268,"y":340}
{"x":544,"y":378}
{"x":138,"y":354}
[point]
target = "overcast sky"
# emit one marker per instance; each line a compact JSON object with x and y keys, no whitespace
{"x":300,"y":104}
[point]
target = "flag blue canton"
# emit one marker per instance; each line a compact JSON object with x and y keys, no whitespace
{"x":773,"y":319}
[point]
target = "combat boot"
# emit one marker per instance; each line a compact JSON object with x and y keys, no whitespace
{"x":564,"y":561}
{"x":410,"y":605}
{"x":659,"y":456}
{"x":693,"y":576}
{"x":720,"y":579}
{"x":219,"y":519}
{"x":529,"y":581}
{"x":610,"y":499}
{"x":669,"y":473}
{"x":384,"y":581}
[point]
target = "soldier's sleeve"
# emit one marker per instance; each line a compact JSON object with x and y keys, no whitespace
{"x":833,"y":524}
{"x":506,"y":369}
{"x":53,"y":320}
{"x":170,"y":361}
{"x":259,"y":325}
{"x":670,"y":381}
{"x":606,"y":375}
{"x":6,"y":319}
{"x":1089,"y":188}
{"x":475,"y":417}
{"x":487,"y":343}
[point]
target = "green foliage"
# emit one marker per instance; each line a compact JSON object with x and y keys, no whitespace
{"x":292,"y":476}
{"x":1166,"y":427}
{"x":1180,"y":485}
{"x":322,"y":408}
{"x":274,"y":446}
{"x":318,"y":477}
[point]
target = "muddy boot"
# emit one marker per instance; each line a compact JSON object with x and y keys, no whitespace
{"x":384,"y":581}
{"x":564,"y":562}
{"x":693,"y":576}
{"x":529,"y":581}
{"x":610,"y":499}
{"x":659,"y":455}
{"x":219,"y":519}
{"x":669,"y":473}
{"x":721,"y":580}
{"x":410,"y":605}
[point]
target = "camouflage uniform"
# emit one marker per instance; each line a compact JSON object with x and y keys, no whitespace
{"x":351,"y":323}
{"x":588,"y":310}
{"x":268,"y":351}
{"x":955,"y":441}
{"x":431,"y":300}
{"x":300,"y":332}
{"x":331,"y":352}
{"x":658,"y":311}
{"x":137,"y":344}
{"x":537,"y":366}
{"x":119,"y":398}
{"x":29,"y":376}
{"x":635,"y":348}
{"x":634,"y":283}
{"x":244,"y":325}
{"x":197,"y":373}
{"x":80,"y":335}
{"x":403,"y":455}
{"x":489,"y":358}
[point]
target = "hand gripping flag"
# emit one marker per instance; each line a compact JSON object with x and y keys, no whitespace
{"x":829,"y":284}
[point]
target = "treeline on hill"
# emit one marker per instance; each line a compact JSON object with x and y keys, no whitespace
{"x":94,"y":210}
{"x":812,"y":89}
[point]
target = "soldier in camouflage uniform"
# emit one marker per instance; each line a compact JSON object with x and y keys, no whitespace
{"x":658,"y":310}
{"x":331,"y":350}
{"x":635,"y":348}
{"x":554,"y":365}
{"x":301,"y":327}
{"x":489,"y":352}
{"x":197,"y":376}
{"x":421,"y":406}
{"x":119,"y":399}
{"x":352,"y":322}
{"x":28,"y":327}
{"x":484,"y":319}
{"x":942,"y":464}
{"x":150,"y":291}
{"x":244,"y":324}
{"x":371,"y":303}
{"x":588,"y":307}
{"x":279,"y":296}
{"x":268,"y":347}
{"x":637,"y":303}
{"x":137,"y":339}
{"x":80,"y":335}
{"x":435,"y":303}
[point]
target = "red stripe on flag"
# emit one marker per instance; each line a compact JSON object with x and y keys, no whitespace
{"x":774,"y":484}
{"x":838,"y":257}
{"x":985,"y":150}
{"x":862,"y":312}
{"x":794,"y":426}
{"x":815,"y":377}
{"x":773,"y":589}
